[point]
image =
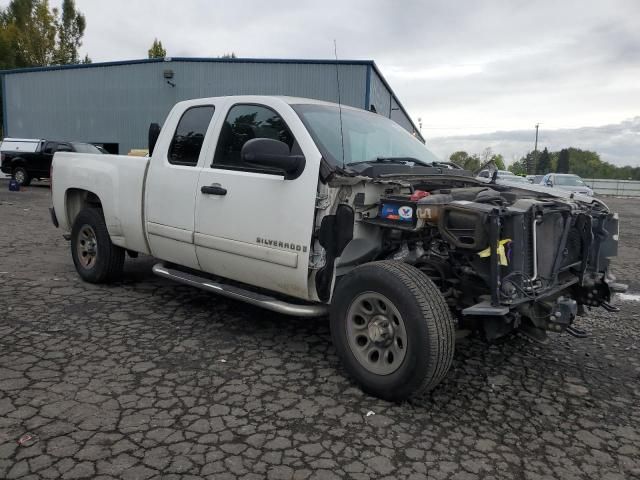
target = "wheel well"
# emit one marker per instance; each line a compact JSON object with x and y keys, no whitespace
{"x":18,"y":162}
{"x":77,"y":199}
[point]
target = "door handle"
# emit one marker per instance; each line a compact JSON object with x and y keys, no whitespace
{"x":213,"y":190}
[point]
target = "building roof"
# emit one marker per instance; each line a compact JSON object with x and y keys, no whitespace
{"x":369,"y":63}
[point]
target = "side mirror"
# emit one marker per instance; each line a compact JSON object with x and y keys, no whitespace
{"x":549,"y":183}
{"x":273,"y":155}
{"x":154,"y":133}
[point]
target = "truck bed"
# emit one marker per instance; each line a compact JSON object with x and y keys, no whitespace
{"x":117,"y":180}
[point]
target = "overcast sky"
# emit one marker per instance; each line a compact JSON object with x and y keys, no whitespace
{"x":463,"y":67}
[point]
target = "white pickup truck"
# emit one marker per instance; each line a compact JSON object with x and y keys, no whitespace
{"x":307,"y":208}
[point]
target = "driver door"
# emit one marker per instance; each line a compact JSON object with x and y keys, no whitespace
{"x":252,"y":225}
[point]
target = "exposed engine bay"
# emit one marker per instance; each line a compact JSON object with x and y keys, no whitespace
{"x":504,"y":257}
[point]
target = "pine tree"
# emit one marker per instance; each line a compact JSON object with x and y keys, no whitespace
{"x":563,"y":161}
{"x":157,"y":50}
{"x":33,"y":35}
{"x":70,"y":26}
{"x":544,"y":163}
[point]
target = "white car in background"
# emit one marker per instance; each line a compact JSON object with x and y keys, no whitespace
{"x":513,"y":179}
{"x":503,"y":177}
{"x":568,"y":182}
{"x":535,"y":179}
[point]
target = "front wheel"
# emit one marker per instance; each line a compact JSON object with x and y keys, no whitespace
{"x":96,"y":258}
{"x":392,"y":329}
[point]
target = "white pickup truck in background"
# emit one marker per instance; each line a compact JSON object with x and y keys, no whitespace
{"x":307,"y":208}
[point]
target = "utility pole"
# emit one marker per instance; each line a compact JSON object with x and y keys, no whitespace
{"x":532,"y":167}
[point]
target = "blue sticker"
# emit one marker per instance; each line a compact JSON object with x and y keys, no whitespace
{"x":393,"y":212}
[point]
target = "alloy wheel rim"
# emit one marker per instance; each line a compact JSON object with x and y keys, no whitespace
{"x":87,"y":247}
{"x":19,"y":176}
{"x":376,"y":333}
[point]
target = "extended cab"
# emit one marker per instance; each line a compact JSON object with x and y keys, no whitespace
{"x":307,"y":208}
{"x":28,"y":159}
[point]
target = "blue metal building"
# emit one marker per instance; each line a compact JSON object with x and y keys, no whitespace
{"x":113,"y":103}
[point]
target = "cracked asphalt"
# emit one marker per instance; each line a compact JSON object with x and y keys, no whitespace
{"x":148,"y":379}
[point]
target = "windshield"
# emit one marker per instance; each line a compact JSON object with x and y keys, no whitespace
{"x":367,"y":136}
{"x":85,"y":148}
{"x":569,"y":180}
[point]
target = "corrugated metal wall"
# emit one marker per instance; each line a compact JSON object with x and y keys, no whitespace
{"x":112,"y":104}
{"x":380,"y":96}
{"x":116,"y":103}
{"x":398,"y":116}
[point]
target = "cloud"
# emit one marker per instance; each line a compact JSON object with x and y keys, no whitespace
{"x":441,"y":72}
{"x":464,"y":67}
{"x":616,"y":143}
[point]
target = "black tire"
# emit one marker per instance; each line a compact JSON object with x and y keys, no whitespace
{"x":428,"y":328}
{"x":108,"y":259}
{"x":21,"y":176}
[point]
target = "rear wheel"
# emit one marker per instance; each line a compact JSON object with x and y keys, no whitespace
{"x":392,"y":329}
{"x":21,"y":176}
{"x":96,"y":258}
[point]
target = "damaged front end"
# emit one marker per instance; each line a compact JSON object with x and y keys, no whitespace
{"x":504,"y":257}
{"x":544,"y":261}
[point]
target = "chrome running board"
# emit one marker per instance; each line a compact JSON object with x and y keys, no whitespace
{"x":238,"y":293}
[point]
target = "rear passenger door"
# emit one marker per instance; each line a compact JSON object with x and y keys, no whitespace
{"x":171,"y":185}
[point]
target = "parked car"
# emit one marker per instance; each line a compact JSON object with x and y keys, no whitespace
{"x":503,"y":177}
{"x":487,"y":173}
{"x":513,"y":179}
{"x":567,"y":182}
{"x":252,"y":197}
{"x":28,"y":159}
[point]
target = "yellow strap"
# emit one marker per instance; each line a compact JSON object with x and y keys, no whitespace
{"x":502,"y":256}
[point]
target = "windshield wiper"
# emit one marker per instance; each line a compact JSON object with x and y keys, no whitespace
{"x":393,"y":160}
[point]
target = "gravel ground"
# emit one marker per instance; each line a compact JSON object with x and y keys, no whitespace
{"x":148,"y":379}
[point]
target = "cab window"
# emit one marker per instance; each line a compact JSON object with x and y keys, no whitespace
{"x":50,"y":148}
{"x":189,"y":136}
{"x":244,"y":123}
